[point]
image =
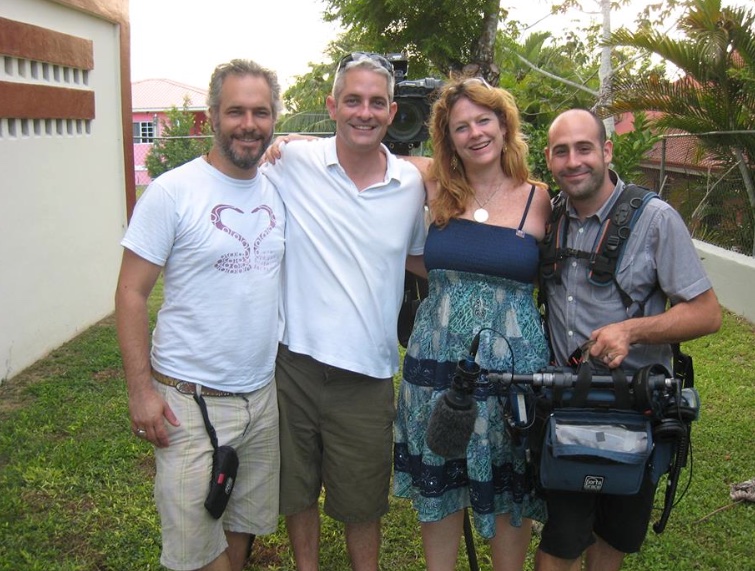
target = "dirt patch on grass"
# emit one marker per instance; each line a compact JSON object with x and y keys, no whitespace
{"x":146,"y":465}
{"x":14,"y":393}
{"x":107,"y":375}
{"x":266,"y":556}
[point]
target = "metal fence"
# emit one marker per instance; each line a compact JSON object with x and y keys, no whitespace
{"x":141,"y":150}
{"x":710,"y":197}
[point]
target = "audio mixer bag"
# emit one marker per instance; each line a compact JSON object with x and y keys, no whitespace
{"x":598,"y":451}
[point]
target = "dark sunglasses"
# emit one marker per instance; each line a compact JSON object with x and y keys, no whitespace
{"x":359,"y":56}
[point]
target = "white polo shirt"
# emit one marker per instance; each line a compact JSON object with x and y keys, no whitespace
{"x":346,"y":251}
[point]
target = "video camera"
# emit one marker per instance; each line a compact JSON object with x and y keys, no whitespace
{"x":414,"y":99}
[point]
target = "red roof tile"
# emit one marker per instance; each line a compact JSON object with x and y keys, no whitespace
{"x":681,"y":147}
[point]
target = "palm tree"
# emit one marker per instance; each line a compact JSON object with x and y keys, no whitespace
{"x":717,"y":92}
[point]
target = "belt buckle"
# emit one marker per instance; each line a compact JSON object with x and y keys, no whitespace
{"x":185,"y":387}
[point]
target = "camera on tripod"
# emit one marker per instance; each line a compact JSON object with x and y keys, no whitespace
{"x":414,"y":98}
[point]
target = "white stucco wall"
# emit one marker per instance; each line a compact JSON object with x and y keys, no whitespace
{"x":732,"y":275}
{"x":62,"y":205}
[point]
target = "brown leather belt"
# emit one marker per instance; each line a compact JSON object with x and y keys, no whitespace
{"x":187,"y":387}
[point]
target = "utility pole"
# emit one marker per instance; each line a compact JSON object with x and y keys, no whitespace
{"x":605,"y":73}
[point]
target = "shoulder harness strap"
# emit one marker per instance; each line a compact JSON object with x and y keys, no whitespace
{"x":606,"y":254}
{"x":552,"y":245}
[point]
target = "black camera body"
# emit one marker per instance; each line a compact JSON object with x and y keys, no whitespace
{"x":414,"y":98}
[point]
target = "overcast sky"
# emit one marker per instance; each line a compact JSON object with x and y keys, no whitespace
{"x":184,"y":40}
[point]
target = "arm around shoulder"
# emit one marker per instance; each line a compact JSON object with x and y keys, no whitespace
{"x":275,"y":150}
{"x":423,"y":164}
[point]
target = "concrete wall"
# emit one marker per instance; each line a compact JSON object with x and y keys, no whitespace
{"x":733,"y":275}
{"x":62,"y":188}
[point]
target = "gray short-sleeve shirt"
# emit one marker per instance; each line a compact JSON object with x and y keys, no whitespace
{"x":659,"y":255}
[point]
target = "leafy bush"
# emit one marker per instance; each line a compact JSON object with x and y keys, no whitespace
{"x":179,"y":142}
{"x":630,"y":149}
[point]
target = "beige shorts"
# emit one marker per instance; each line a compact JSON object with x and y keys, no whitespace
{"x":191,"y":537}
{"x":336,"y":433}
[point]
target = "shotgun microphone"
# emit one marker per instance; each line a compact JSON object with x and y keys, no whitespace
{"x":453,"y":418}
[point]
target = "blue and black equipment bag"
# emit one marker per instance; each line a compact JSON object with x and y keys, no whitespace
{"x":606,"y":438}
{"x":586,"y":450}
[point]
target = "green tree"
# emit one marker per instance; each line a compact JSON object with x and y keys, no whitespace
{"x":716,"y":54}
{"x":444,"y":35}
{"x":579,"y":62}
{"x":630,"y":149}
{"x":180,"y":141}
{"x":547,"y":75}
{"x":309,"y":91}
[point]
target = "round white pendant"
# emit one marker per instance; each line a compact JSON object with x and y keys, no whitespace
{"x":480,"y":215}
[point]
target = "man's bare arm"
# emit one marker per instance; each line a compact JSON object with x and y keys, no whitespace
{"x":146,"y":407}
{"x":684,"y":321}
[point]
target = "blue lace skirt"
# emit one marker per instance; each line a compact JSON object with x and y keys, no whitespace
{"x":493,"y":478}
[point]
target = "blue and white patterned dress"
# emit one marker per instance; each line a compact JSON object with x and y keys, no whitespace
{"x":480,"y":276}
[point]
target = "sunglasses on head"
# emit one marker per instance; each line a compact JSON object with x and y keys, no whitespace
{"x":360,"y":56}
{"x":480,"y":80}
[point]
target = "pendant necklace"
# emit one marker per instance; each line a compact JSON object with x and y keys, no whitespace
{"x":481,"y":215}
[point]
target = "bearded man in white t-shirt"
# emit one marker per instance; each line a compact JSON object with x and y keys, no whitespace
{"x":214,"y":228}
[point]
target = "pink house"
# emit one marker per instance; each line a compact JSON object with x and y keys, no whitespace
{"x":150,"y":101}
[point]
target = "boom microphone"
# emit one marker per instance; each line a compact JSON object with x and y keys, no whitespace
{"x":452,"y":420}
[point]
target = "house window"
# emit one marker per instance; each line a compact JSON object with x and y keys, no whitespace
{"x":144,"y":132}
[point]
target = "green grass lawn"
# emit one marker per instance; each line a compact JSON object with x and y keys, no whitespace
{"x":76,"y":486}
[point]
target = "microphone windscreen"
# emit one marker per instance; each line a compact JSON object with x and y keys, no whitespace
{"x":450,"y":427}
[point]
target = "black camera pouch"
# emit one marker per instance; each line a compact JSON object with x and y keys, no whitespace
{"x":683,"y":368}
{"x":225,"y":464}
{"x":415,"y":290}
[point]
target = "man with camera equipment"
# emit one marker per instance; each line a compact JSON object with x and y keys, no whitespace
{"x":205,"y":395}
{"x":354,"y":214}
{"x":622,"y":318}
